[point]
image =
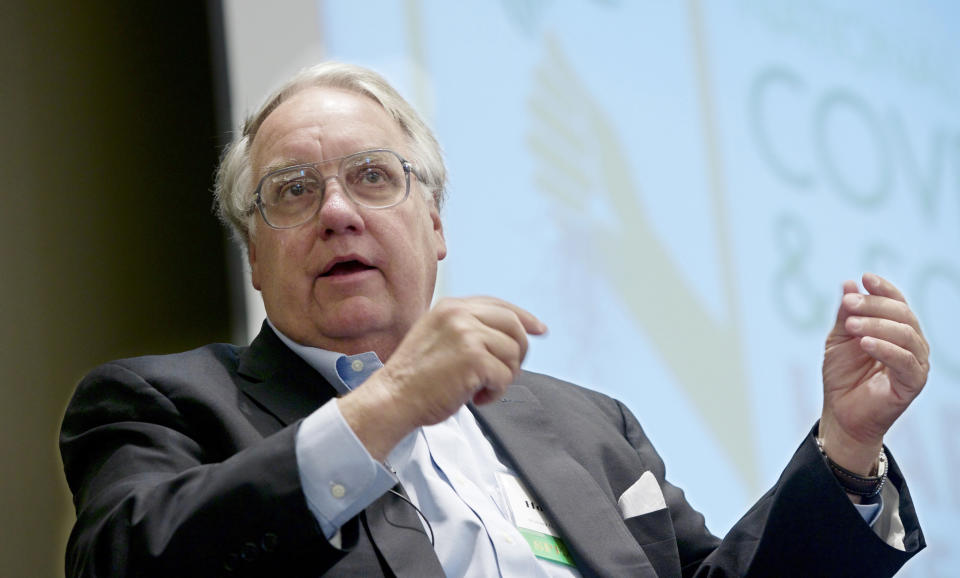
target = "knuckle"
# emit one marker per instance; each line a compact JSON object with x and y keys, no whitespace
{"x":504,"y":377}
{"x":477,"y":365}
{"x":903,"y":311}
{"x":449,"y":308}
{"x":445,"y":302}
{"x":907,"y":335}
{"x":460,"y":326}
{"x":519,"y":352}
{"x":471,"y":343}
{"x":441,"y":306}
{"x":499,"y":385}
{"x":917,"y":366}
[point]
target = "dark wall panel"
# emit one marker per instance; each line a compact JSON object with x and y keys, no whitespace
{"x":109,"y":245}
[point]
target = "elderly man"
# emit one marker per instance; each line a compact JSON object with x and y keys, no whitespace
{"x":363,"y":433}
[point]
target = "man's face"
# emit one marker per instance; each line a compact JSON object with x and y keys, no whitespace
{"x":351,"y":279}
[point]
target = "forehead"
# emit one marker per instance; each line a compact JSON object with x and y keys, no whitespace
{"x":322,"y":123}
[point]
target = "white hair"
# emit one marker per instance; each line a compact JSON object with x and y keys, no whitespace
{"x":234,"y":186}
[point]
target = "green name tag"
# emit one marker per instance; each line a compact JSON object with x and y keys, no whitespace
{"x":529,"y":518}
{"x":547,"y":547}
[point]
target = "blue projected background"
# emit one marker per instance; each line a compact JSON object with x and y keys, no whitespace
{"x":678,"y":190}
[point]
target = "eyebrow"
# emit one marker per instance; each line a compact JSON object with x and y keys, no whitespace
{"x":294,"y":162}
{"x":282,"y":164}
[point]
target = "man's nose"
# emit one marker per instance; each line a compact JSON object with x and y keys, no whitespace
{"x":338,"y":213}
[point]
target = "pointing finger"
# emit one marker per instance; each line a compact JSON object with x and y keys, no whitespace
{"x":530,"y":323}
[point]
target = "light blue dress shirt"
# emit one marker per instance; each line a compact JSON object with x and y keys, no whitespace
{"x":456,"y":490}
{"x":448,"y":470}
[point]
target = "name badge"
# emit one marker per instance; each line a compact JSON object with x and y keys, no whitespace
{"x":528,"y":516}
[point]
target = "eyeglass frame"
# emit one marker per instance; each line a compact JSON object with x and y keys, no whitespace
{"x":404,"y":163}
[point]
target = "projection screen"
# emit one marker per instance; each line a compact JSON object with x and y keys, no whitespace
{"x":678,"y":189}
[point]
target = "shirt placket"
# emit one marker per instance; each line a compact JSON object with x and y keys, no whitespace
{"x":452,"y":456}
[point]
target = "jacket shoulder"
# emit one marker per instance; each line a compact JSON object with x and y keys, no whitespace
{"x":155,"y":387}
{"x":562,"y":396}
{"x":207,"y":357}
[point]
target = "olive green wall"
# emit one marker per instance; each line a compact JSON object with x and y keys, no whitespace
{"x":109,"y":246}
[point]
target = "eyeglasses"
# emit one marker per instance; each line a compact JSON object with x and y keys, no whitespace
{"x":291,"y":196}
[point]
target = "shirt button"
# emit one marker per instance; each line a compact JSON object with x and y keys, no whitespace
{"x":356,"y":365}
{"x":249,"y":552}
{"x":269,"y":542}
{"x":508,"y":538}
{"x":338,"y":491}
{"x":231,"y":563}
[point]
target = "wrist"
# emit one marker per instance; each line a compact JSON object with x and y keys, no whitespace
{"x":377,"y":420}
{"x":858,"y":486}
{"x":850,"y":453}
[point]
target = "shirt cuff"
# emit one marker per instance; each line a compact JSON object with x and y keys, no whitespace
{"x":338,"y":475}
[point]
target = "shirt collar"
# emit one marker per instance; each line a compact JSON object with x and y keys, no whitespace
{"x":344,"y":372}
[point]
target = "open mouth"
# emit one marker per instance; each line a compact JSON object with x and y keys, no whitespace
{"x":346,"y":268}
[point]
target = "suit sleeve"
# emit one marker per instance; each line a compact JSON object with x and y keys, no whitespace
{"x":154,"y":499}
{"x":805,"y":525}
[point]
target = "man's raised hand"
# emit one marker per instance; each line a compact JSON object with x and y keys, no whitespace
{"x":875,"y":363}
{"x":461,"y":350}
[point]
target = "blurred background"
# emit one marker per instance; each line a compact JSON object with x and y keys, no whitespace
{"x":677,"y":188}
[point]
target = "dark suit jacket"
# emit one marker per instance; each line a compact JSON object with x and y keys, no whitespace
{"x":184,"y":465}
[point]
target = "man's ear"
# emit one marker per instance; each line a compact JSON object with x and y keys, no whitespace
{"x":439,"y":241}
{"x":252,"y":260}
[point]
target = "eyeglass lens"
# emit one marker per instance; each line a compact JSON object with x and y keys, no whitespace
{"x":290,"y":197}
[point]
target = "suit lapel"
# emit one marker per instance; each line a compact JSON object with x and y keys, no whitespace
{"x":588,"y":521}
{"x":284,"y":385}
{"x":279,"y":380}
{"x":399,"y":536}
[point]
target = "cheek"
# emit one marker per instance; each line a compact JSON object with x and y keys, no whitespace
{"x":417,"y":247}
{"x":421,"y":260}
{"x":281,"y":262}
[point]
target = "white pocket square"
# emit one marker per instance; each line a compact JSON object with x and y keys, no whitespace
{"x":643,"y":497}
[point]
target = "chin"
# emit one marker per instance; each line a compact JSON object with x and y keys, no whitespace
{"x":354,"y":318}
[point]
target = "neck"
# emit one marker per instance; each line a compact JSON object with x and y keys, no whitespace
{"x":381,"y":344}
